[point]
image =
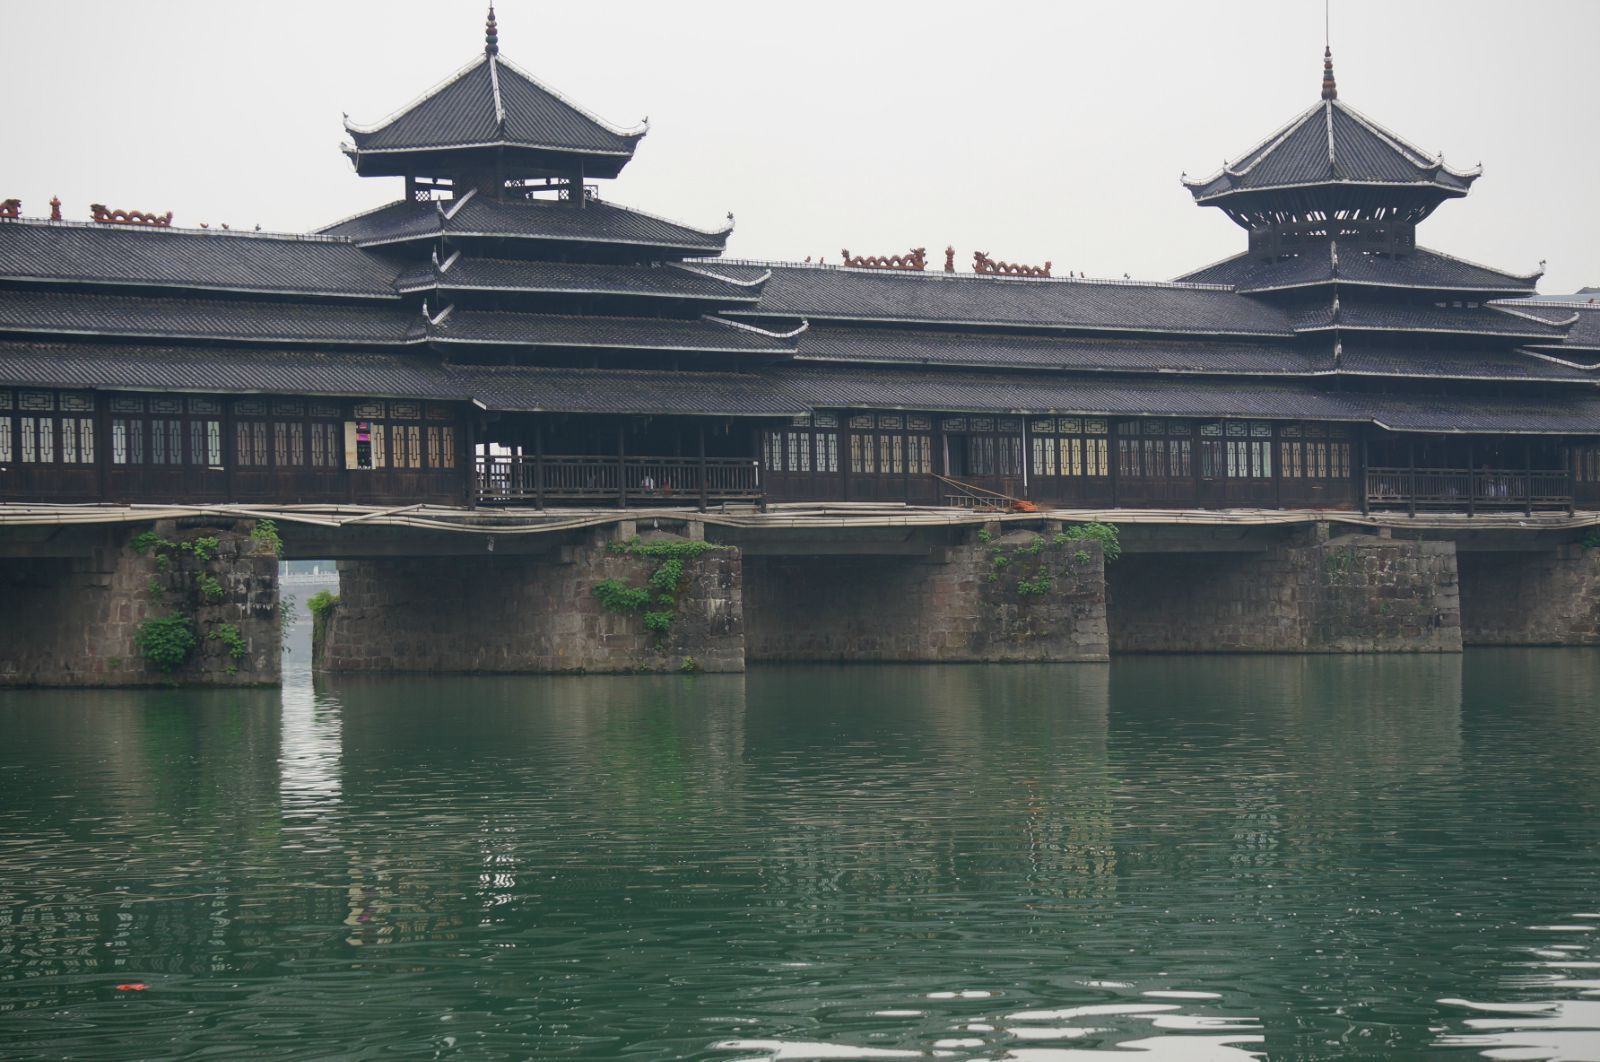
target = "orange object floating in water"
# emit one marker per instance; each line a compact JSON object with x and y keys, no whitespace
{"x":132,"y":988}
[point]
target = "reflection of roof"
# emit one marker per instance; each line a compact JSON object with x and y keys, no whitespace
{"x":73,"y":313}
{"x":623,"y":391}
{"x":534,"y":219}
{"x":514,"y":275}
{"x":238,"y":370}
{"x":614,"y":333}
{"x":211,"y":260}
{"x":826,"y":292}
{"x":1329,"y":262}
{"x":1331,"y":143}
{"x":490,"y":103}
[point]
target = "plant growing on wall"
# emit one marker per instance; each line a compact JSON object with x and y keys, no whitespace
{"x":265,"y":533}
{"x":1105,"y":534}
{"x":661,"y":587}
{"x":165,"y":643}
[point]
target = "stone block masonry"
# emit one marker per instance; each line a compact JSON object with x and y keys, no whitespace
{"x":532,"y":614}
{"x":1548,"y":597}
{"x":1350,"y":595}
{"x":75,"y":621}
{"x":1024,"y":597}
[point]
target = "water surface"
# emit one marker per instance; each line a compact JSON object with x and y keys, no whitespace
{"x":1166,"y":857}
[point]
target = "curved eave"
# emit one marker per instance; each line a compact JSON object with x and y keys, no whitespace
{"x":1205,"y":198}
{"x":183,"y":286}
{"x":670,"y":348}
{"x":1339,"y":326}
{"x":10,"y":332}
{"x":437,"y":159}
{"x":383,"y":241}
{"x":1342,"y":281}
{"x":1035,"y":367}
{"x":994,"y":325}
{"x":447,"y":285}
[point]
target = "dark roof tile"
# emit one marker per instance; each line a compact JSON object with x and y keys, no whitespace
{"x":827,"y":292}
{"x":511,"y":275}
{"x":1364,"y":315}
{"x":1421,"y":269}
{"x":613,"y":333}
{"x":73,"y":313}
{"x":623,"y":391}
{"x":225,"y":369}
{"x":212,"y":260}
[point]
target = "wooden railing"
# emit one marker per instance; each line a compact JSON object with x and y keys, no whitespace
{"x":521,"y":479}
{"x":1468,"y":490}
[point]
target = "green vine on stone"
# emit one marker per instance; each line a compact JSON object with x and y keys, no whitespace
{"x":165,"y":643}
{"x":210,"y":588}
{"x":1105,"y":534}
{"x":662,"y":585}
{"x":229,"y":636}
{"x":617,"y":596}
{"x":321,"y":603}
{"x":266,"y":533}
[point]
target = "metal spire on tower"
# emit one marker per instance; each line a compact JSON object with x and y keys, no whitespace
{"x":1330,"y":89}
{"x":491,"y":36}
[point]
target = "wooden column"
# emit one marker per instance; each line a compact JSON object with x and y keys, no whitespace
{"x":1362,"y":480}
{"x":1472,"y":483}
{"x":538,"y":462}
{"x":700,"y":432}
{"x":1527,"y":477}
{"x":622,"y":465}
{"x":1411,"y":465}
{"x":471,"y":440}
{"x":1114,"y":459}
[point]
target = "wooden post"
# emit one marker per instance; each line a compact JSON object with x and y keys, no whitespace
{"x":538,"y":463}
{"x":1411,"y":464}
{"x":622,"y":465}
{"x":474,"y":487}
{"x":1527,"y":477}
{"x":1472,"y":483}
{"x":1114,"y":459}
{"x":704,"y":486}
{"x":1275,"y":454}
{"x":1366,"y":480}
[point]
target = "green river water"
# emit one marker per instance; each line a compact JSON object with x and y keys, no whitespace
{"x":1165,"y":858}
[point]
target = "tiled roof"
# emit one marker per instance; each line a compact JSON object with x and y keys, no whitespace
{"x":1350,"y":265}
{"x":1465,"y":364}
{"x":71,"y":313}
{"x":823,"y":292}
{"x":1582,"y":334}
{"x":613,"y":333}
{"x":837,"y":387}
{"x":537,"y":219}
{"x":492,"y":104}
{"x":225,"y":369}
{"x":955,"y":391}
{"x":1078,"y":353}
{"x":1331,"y":143}
{"x":623,"y":391}
{"x":211,"y":260}
{"x":1367,"y":315}
{"x":509,"y":275}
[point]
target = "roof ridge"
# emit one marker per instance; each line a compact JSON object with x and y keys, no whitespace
{"x":1419,"y":158}
{"x":1262,"y":148}
{"x":391,"y":204}
{"x":177,"y":230}
{"x":1479,"y":265}
{"x":1498,"y":306}
{"x":661,"y":217}
{"x":913,"y":274}
{"x":351,"y":127}
{"x":637,"y":131}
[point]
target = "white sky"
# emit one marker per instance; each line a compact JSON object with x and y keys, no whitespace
{"x":1031,"y":130}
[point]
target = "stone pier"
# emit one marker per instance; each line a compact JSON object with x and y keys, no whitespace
{"x":1531,"y":597}
{"x":980,"y":598}
{"x":141,"y":605}
{"x":540,"y":612}
{"x":1352,"y":594}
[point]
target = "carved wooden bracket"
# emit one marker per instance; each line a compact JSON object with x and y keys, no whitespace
{"x":982,"y":263}
{"x":99,"y":213}
{"x":10,"y":208}
{"x":916,"y":259}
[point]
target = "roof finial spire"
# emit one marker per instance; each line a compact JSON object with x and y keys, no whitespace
{"x":491,"y":36}
{"x":1330,"y":89}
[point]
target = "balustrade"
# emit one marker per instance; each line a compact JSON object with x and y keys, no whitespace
{"x":520,"y":478}
{"x":1469,"y":490}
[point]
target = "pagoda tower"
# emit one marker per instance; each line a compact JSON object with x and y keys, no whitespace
{"x":1331,"y":202}
{"x":507,"y":250}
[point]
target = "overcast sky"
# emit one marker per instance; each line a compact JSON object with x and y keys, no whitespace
{"x":1029,"y":130}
